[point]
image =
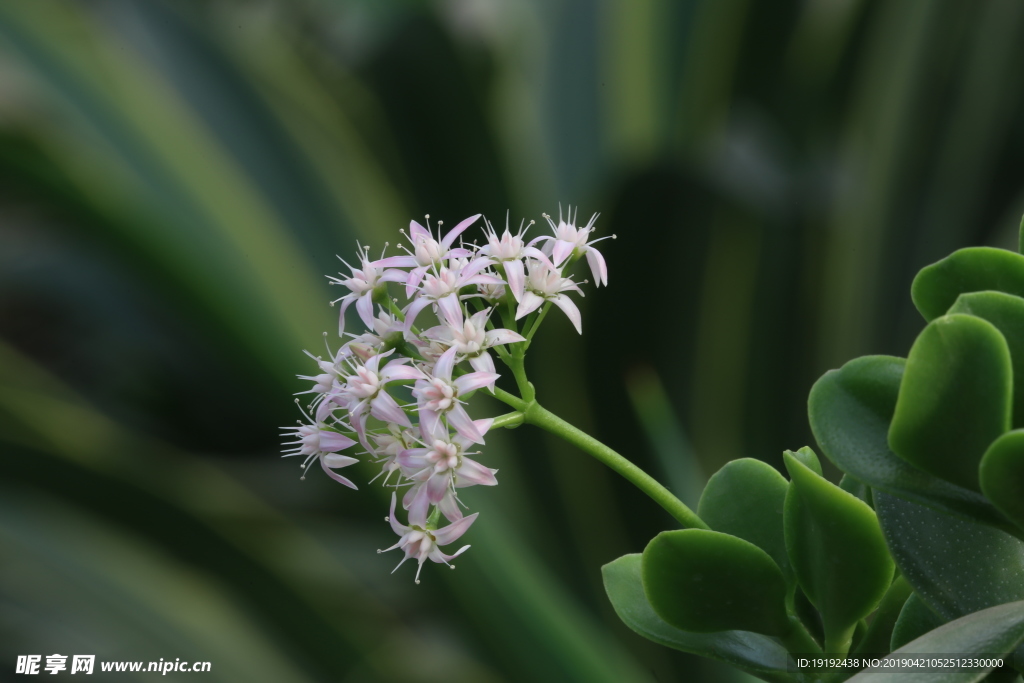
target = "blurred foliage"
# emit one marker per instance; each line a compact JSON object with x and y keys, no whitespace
{"x":175,"y":178}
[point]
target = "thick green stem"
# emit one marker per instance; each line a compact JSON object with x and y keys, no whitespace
{"x":513,"y":419}
{"x":536,"y":415}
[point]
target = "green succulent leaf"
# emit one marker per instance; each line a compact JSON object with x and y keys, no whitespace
{"x":1006,"y":312}
{"x":754,"y":653}
{"x":850,"y":410}
{"x":915,"y":620}
{"x":954,"y":399}
{"x":809,"y":458}
{"x":957,"y":567}
{"x":975,"y":269}
{"x":837,"y":552}
{"x":856,"y":488}
{"x":746,"y":499}
{"x":706,"y":581}
{"x":994,"y":631}
{"x":1002,"y":475}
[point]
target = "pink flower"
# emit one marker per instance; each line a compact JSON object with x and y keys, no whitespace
{"x":388,"y":445}
{"x":422,"y":543}
{"x":441,"y":466}
{"x":438,"y":395}
{"x":509,"y":251}
{"x":364,"y":391}
{"x":545,"y":283}
{"x":472,"y":339}
{"x":427,"y":252}
{"x":317,"y":441}
{"x":442,"y":286}
{"x":362,"y":283}
{"x":570,"y":241}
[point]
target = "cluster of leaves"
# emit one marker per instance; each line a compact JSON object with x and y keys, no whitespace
{"x":917,"y":550}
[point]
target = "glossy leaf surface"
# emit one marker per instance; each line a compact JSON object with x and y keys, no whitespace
{"x":809,"y":458}
{"x":994,"y":631}
{"x":749,"y":651}
{"x":957,"y":567}
{"x":1006,"y":312}
{"x":1002,"y":475}
{"x":837,"y":551}
{"x":915,"y":620}
{"x":975,"y":269}
{"x":850,"y":410}
{"x":954,"y":399}
{"x":706,"y":581}
{"x":746,"y":499}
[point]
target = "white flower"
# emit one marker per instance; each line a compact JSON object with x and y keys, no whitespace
{"x":439,"y":395}
{"x":545,"y":283}
{"x":442,"y":287}
{"x":427,"y":252}
{"x":319,"y":442}
{"x":472,"y":339}
{"x":570,"y":241}
{"x":424,"y":544}
{"x":509,"y":251}
{"x":361,"y":284}
{"x":364,"y":391}
{"x":441,"y":466}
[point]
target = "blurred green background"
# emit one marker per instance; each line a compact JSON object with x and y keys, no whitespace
{"x":177,"y":177}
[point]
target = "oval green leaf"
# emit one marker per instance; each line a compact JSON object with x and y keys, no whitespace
{"x":1002,"y":475}
{"x":992,"y":632}
{"x":745,"y":499}
{"x":706,"y":581}
{"x":809,"y":458}
{"x":751,"y":652}
{"x":850,"y":410}
{"x":957,"y":567}
{"x":954,"y":399}
{"x":837,"y":552}
{"x":1006,"y":312}
{"x":975,"y":269}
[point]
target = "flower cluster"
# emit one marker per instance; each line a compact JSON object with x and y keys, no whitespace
{"x":400,"y":388}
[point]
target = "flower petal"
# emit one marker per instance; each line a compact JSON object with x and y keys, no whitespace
{"x":473,"y":473}
{"x":333,"y":441}
{"x":337,"y":477}
{"x":438,"y":485}
{"x":396,"y":526}
{"x":464,"y":425}
{"x":529,"y":303}
{"x":451,"y":310}
{"x":502,"y":336}
{"x":474,"y":380}
{"x":414,"y":310}
{"x":561,"y":251}
{"x":417,"y":230}
{"x":571,"y":312}
{"x":364,"y":306}
{"x":335,"y":461}
{"x":449,"y":507}
{"x":597,"y":266}
{"x":454,"y":531}
{"x":515,"y":274}
{"x":385,"y":408}
{"x":446,"y":242}
{"x":445,"y":364}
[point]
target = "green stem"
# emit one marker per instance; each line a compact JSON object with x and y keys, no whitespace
{"x":880,"y":631}
{"x":536,"y":415}
{"x":513,"y":419}
{"x":537,"y":322}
